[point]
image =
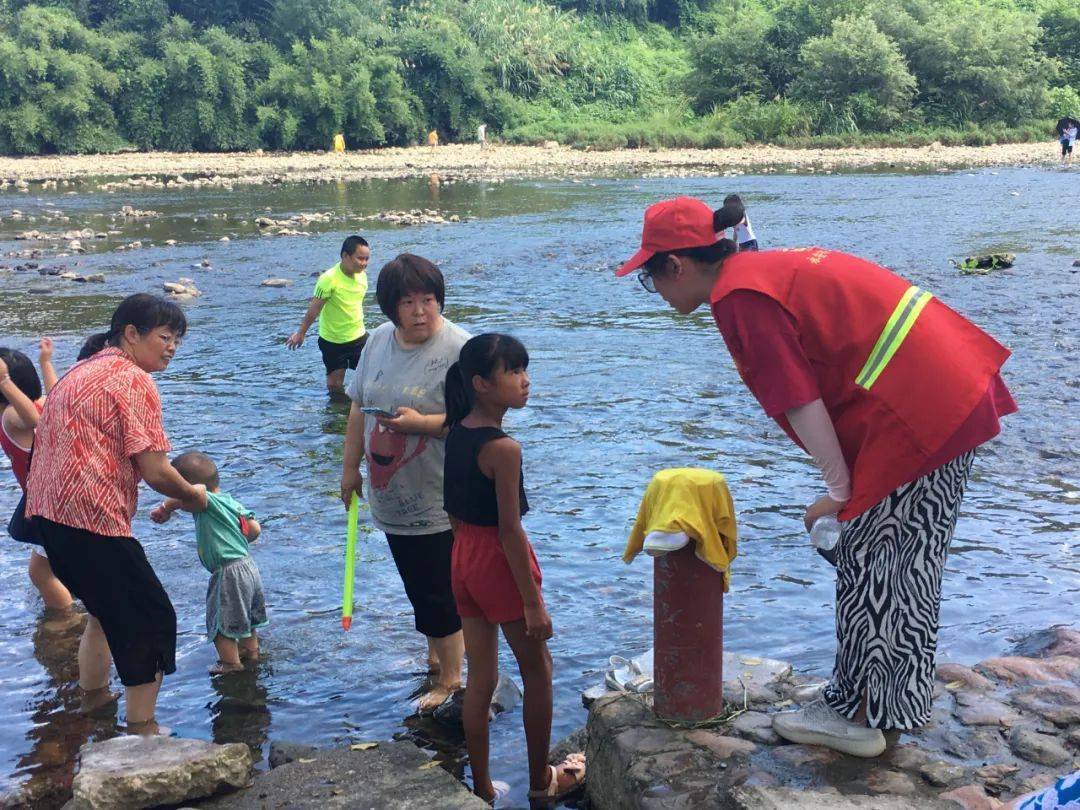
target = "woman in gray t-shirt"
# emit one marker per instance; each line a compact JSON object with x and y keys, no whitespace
{"x":402,"y":371}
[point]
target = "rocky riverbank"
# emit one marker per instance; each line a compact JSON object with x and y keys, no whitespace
{"x":1006,"y":726}
{"x":198,"y":170}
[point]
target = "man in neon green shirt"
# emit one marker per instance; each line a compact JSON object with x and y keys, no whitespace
{"x":338,"y":303}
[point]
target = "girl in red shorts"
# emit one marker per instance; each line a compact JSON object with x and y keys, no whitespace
{"x":495,"y":576}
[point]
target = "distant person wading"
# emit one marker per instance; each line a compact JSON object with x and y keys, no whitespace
{"x":338,"y":304}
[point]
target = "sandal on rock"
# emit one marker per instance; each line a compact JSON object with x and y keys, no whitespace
{"x":574,"y":764}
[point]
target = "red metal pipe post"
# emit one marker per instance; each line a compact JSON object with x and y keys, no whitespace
{"x":688,"y":636}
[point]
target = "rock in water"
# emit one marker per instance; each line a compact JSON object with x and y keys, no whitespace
{"x":134,"y":771}
{"x":276,"y":282}
{"x":506,"y":696}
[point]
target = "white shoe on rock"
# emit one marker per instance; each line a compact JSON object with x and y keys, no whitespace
{"x":820,"y":724}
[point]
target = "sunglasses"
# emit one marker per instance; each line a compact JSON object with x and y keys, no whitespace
{"x":647,"y":281}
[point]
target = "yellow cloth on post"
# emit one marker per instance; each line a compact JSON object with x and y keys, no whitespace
{"x":696,"y":502}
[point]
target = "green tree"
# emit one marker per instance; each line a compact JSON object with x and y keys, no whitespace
{"x":1060,"y":38}
{"x":794,"y":22}
{"x":140,"y":106}
{"x":204,"y":100}
{"x":858,"y":68}
{"x":979,"y":63}
{"x":303,"y":20}
{"x":732,"y":62}
{"x":446,"y":72}
{"x":56,"y":87}
{"x":329,"y":86}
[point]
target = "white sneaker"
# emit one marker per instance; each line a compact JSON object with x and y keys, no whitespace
{"x":820,"y":724}
{"x":657,"y":544}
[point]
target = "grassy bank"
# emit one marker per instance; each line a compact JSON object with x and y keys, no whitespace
{"x":85,"y":76}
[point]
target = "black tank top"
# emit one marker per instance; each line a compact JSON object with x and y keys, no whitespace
{"x":468,"y":494}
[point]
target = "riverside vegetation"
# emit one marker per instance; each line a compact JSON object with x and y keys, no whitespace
{"x":220,"y":75}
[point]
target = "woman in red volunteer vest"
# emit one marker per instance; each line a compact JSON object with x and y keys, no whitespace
{"x":890,"y":392}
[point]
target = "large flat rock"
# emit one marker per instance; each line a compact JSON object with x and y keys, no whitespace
{"x":392,"y":775}
{"x":1002,"y":728}
{"x":133,"y":772}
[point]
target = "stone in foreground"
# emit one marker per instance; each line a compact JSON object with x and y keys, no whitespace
{"x":133,"y":771}
{"x":1005,"y":727}
{"x":394,"y":775}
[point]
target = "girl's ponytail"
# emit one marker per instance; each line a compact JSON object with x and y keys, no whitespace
{"x":729,"y":215}
{"x":458,"y":395}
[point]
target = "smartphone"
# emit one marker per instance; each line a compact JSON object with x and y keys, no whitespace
{"x":379,"y":412}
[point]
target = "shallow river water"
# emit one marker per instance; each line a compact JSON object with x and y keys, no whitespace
{"x":621,"y":388}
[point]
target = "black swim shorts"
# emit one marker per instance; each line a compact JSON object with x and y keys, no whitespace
{"x":341,"y":355}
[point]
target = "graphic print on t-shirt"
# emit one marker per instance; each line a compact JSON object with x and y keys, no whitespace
{"x":386,"y":454}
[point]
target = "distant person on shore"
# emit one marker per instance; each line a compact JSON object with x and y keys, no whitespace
{"x":22,"y":400}
{"x":101,"y":432}
{"x":396,"y":423}
{"x":733,"y":215}
{"x":338,"y":304}
{"x":496,"y":576}
{"x":433,"y":138}
{"x":235,"y":603}
{"x":1068,"y":142}
{"x":481,"y":136}
{"x":890,"y":392}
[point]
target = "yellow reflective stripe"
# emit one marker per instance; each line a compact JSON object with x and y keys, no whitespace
{"x":883,"y":339}
{"x":892,"y":336}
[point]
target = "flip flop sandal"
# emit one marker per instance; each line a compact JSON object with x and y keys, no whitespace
{"x":639,"y":684}
{"x":573,"y":764}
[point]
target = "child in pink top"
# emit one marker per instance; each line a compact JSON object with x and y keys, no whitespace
{"x":21,"y":402}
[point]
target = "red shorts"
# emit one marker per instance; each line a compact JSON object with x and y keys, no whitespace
{"x":483,"y":586}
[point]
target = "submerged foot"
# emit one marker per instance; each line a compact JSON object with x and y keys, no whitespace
{"x":222,"y":668}
{"x":93,"y":700}
{"x":148,"y":728}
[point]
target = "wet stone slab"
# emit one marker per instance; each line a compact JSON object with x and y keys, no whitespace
{"x":392,"y":775}
{"x":999,"y":729}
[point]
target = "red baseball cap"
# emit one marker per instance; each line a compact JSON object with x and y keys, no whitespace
{"x":671,"y":225}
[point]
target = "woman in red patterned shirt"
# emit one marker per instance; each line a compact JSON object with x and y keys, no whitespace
{"x":100,"y":434}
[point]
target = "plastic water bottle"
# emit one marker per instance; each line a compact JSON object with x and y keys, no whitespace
{"x":824,"y":535}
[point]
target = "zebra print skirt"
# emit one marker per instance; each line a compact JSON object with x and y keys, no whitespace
{"x":888,"y":592}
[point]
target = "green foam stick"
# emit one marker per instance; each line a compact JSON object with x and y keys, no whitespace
{"x":350,"y":563}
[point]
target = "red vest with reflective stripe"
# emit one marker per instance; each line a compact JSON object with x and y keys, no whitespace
{"x":841,"y":304}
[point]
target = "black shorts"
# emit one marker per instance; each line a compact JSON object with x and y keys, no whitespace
{"x":1066,"y":147}
{"x":116,"y":584}
{"x":341,"y":355}
{"x":423,"y":562}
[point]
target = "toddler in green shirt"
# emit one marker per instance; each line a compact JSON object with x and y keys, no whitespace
{"x":235,"y":603}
